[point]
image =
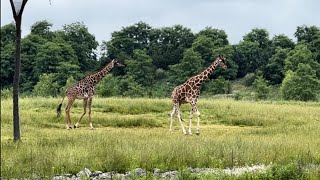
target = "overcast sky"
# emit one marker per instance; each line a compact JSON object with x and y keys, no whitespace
{"x":236,"y":17}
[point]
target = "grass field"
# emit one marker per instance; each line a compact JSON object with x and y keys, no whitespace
{"x":133,"y":133}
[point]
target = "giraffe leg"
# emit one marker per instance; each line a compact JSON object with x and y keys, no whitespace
{"x":90,"y":104}
{"x":171,"y":116}
{"x":198,"y":122}
{"x":68,"y":120}
{"x":180,"y":120}
{"x":190,"y":122}
{"x":85,"y":100}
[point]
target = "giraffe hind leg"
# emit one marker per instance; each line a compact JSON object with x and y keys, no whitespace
{"x":67,"y":110}
{"x":85,"y":100}
{"x":173,"y":112}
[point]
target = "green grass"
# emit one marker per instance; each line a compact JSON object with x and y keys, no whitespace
{"x":133,"y":133}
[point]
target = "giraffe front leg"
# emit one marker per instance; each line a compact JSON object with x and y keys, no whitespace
{"x":85,"y":100}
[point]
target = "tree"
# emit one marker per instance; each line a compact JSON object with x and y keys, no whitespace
{"x":246,"y":57}
{"x":204,"y":46}
{"x":190,"y":65}
{"x":7,"y":64}
{"x":140,"y":68}
{"x":310,"y":35}
{"x":8,"y":36}
{"x":124,"y":42}
{"x":301,"y":54}
{"x":57,"y":58}
{"x":282,"y":41}
{"x":302,"y":85}
{"x":83,"y":43}
{"x":253,"y":52}
{"x":42,"y":28}
{"x":218,"y":37}
{"x":30,"y":48}
{"x":17,"y":17}
{"x":274,"y":71}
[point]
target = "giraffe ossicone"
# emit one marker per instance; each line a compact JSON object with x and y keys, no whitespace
{"x":85,"y":89}
{"x":189,"y":92}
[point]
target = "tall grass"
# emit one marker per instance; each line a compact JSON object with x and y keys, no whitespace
{"x":134,"y":133}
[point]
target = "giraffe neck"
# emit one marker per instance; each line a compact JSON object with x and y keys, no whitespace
{"x":204,"y":75}
{"x":96,"y":77}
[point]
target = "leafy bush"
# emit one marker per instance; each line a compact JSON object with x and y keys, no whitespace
{"x":108,"y":86}
{"x":261,"y":88}
{"x":219,"y":86}
{"x":302,"y":85}
{"x":6,"y":93}
{"x":46,"y":86}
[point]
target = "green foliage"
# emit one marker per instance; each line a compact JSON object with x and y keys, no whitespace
{"x":108,"y":86}
{"x":274,"y":71}
{"x":83,"y":43}
{"x":42,"y":28}
{"x":261,"y":88}
{"x":168,"y":44}
{"x":302,"y":85}
{"x":218,"y":86}
{"x":57,"y":58}
{"x":282,"y":41}
{"x":129,"y":87}
{"x":6,"y":93}
{"x":140,"y":68}
{"x":190,"y":65}
{"x":46,"y":86}
{"x":7,"y":64}
{"x":8,"y":34}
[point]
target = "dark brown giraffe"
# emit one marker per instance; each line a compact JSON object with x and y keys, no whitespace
{"x":85,"y":89}
{"x":189,"y":92}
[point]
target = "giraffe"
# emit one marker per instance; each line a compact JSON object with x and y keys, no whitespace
{"x":189,"y":92}
{"x":85,"y":89}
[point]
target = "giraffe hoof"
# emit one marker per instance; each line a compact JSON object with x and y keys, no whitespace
{"x":198,"y":133}
{"x":75,"y":126}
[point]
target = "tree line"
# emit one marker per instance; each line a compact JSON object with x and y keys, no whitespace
{"x":158,"y":59}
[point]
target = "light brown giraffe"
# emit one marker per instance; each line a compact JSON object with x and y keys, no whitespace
{"x":85,"y":89}
{"x":189,"y":92}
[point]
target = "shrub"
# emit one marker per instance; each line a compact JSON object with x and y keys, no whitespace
{"x":219,"y":86}
{"x":301,"y":85}
{"x":46,"y":86}
{"x":261,"y":88}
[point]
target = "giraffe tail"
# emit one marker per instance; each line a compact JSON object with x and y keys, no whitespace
{"x":59,"y":108}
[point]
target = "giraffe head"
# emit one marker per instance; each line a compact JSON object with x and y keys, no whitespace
{"x":117,"y":63}
{"x":222,"y":61}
